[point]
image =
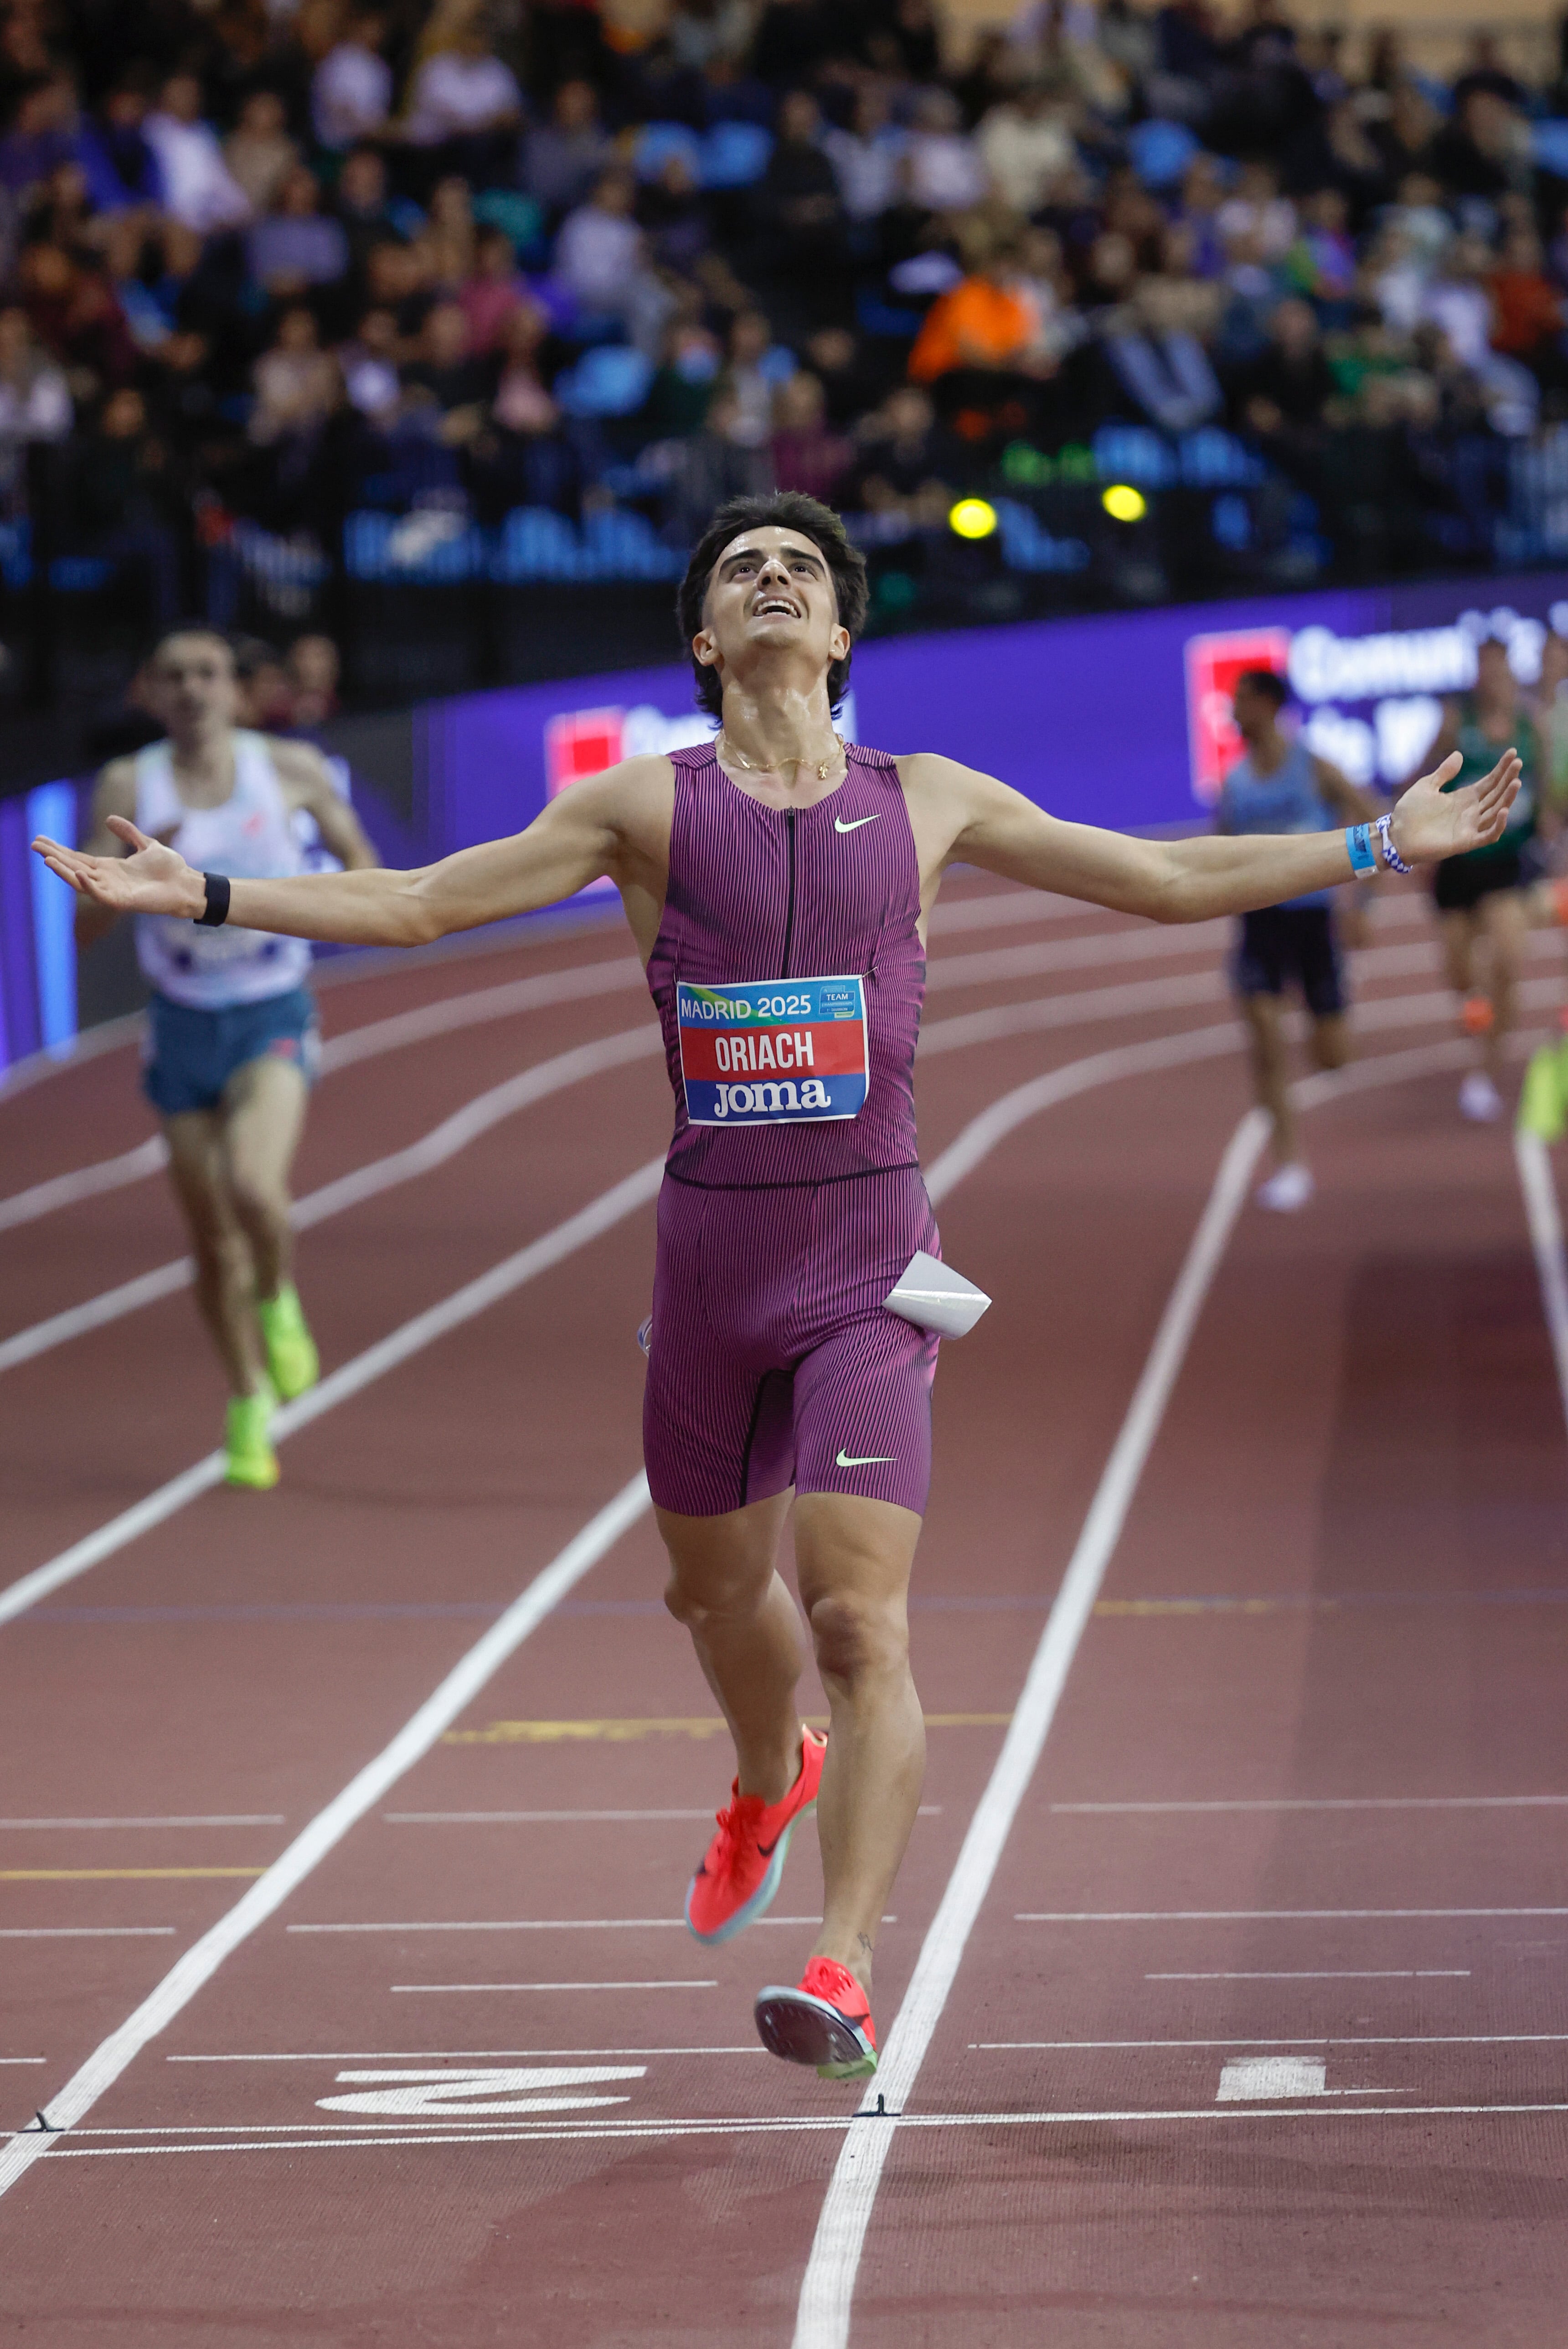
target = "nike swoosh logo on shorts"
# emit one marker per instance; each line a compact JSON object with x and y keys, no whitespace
{"x":840,"y":825}
{"x":872,"y":1460}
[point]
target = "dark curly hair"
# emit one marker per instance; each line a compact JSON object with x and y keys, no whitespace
{"x":783,"y":510}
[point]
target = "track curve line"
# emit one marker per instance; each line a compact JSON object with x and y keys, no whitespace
{"x":585,"y":981}
{"x":1078,"y":1006}
{"x":432,"y":1149}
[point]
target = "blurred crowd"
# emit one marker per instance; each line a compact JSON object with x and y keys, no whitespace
{"x":267,"y":262}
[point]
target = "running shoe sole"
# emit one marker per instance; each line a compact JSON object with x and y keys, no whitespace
{"x":762,"y":1898}
{"x":804,"y":2029}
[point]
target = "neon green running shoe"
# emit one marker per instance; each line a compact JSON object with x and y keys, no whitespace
{"x":1542,"y":1109}
{"x":293,"y":1361}
{"x":248,"y":1441}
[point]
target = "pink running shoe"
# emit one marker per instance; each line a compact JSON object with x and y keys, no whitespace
{"x":742,"y":1866}
{"x":827,"y":2021}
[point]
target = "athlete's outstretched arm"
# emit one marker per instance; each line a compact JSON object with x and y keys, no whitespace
{"x":578,"y":836}
{"x":1189,"y":880}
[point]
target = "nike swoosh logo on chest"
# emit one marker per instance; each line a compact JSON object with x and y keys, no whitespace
{"x":854,"y":825}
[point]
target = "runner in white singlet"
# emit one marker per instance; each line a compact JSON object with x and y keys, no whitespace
{"x":231,"y":1032}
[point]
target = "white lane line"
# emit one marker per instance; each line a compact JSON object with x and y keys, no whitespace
{"x":465,"y":2054}
{"x":532,"y":1818}
{"x":450,"y":1990}
{"x":1535,"y":1164}
{"x":1141,"y":943}
{"x":525,"y":1818}
{"x":589,"y":1224}
{"x":540,"y":1925}
{"x":822,"y":2320}
{"x":149,"y":1157}
{"x":81,"y":1932}
{"x":1315,"y":2108}
{"x":225,"y":1819}
{"x":1245,"y":1916}
{"x":455,"y":1133}
{"x":1340,"y":1803}
{"x":1404,"y":2039}
{"x":442,"y":1143}
{"x":582,"y":982}
{"x":1333,"y":1973}
{"x":23,"y":2059}
{"x":327,"y":1830}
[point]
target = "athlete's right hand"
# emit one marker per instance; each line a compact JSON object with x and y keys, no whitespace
{"x":152,"y":879}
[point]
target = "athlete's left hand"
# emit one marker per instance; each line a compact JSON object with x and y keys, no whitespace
{"x":1429,"y":823}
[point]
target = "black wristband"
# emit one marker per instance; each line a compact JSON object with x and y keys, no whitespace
{"x":217,"y":907}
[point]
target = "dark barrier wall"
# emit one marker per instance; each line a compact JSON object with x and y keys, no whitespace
{"x":1120,"y":719}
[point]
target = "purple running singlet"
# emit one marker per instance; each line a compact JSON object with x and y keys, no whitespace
{"x":788,"y":975}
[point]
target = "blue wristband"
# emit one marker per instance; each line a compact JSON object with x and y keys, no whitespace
{"x":1362,"y":856}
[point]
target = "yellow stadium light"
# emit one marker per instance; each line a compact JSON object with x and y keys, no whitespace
{"x":1122,"y":502}
{"x":973,"y":517}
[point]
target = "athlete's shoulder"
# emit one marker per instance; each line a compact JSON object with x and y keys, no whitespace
{"x":931,"y":775}
{"x":293,"y":761}
{"x":114,"y":788}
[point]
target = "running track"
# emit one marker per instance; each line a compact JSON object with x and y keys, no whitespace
{"x":345,"y":1828}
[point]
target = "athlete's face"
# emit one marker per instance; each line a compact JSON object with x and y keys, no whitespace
{"x":1253,"y":712}
{"x":193,"y":685}
{"x":771,"y":589}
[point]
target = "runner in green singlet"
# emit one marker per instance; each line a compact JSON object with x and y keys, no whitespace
{"x":1479,"y":896}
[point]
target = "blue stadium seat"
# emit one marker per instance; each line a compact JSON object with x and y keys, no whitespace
{"x":1131,"y":452}
{"x":657,"y":141}
{"x":610,"y":379}
{"x":620,"y":544}
{"x":734,"y":155}
{"x":1027,"y":546}
{"x":535,"y":544}
{"x":429,"y":547}
{"x":1213,"y":459}
{"x":1160,"y":151}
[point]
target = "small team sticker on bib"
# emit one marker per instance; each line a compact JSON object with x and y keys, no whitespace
{"x":773,"y":1051}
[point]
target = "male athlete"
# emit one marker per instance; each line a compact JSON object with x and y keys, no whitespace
{"x":781,"y":873}
{"x":1481,"y":896}
{"x":1278,"y":785}
{"x":232,"y":1035}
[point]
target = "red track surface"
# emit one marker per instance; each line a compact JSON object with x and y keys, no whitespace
{"x":1335,"y":1611}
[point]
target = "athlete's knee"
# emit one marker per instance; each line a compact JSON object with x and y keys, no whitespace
{"x":858,"y":1638}
{"x":704,"y":1599}
{"x":220,"y":1249}
{"x":261,"y":1200}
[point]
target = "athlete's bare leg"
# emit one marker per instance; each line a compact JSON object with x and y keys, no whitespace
{"x":226,"y":1273}
{"x":746,"y":1629}
{"x":1505,"y":921}
{"x":230,"y":1169}
{"x":1330,"y":1040}
{"x":1459,"y":932}
{"x":853,"y":1558}
{"x":1271,"y":1070}
{"x":263,"y":1117}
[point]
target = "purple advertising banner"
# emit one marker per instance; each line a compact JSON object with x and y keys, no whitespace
{"x":1119,"y":719}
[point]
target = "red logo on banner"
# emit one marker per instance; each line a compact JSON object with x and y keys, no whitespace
{"x":1214,"y":665}
{"x":581,"y":742}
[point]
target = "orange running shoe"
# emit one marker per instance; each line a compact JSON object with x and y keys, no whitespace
{"x":827,"y":2021}
{"x":742,"y":1866}
{"x":1477,"y":1017}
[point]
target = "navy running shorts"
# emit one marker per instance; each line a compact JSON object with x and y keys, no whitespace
{"x":1284,"y":945}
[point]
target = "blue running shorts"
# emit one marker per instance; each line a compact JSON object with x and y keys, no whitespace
{"x":190,"y":1055}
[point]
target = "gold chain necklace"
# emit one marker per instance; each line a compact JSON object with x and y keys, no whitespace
{"x":751,"y":767}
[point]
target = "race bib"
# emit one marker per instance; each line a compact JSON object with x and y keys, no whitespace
{"x":773,"y":1051}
